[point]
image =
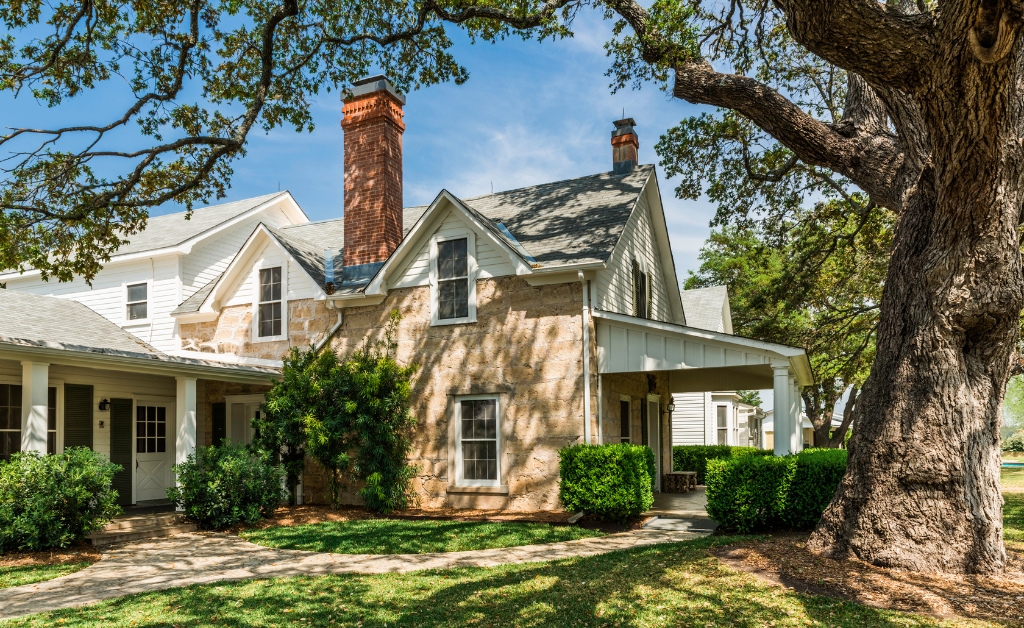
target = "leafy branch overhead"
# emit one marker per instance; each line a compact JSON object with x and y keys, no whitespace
{"x":201,"y":76}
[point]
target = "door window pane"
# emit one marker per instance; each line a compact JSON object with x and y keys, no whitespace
{"x":150,"y":429}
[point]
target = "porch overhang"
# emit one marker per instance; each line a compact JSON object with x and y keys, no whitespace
{"x":695,"y":360}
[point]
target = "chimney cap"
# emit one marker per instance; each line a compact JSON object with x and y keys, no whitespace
{"x":376,"y":83}
{"x":624,"y":127}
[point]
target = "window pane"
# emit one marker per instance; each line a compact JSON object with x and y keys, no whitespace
{"x":446,"y":299}
{"x":137,"y":292}
{"x":140,"y":445}
{"x":161,"y":414}
{"x":722,"y":419}
{"x":5,"y":394}
{"x":723,"y":437}
{"x":161,"y":445}
{"x":10,"y":442}
{"x":451,"y":259}
{"x":151,"y":445}
{"x":51,"y":442}
{"x":277,"y":318}
{"x":161,"y":430}
{"x":51,"y":409}
{"x":270,"y":319}
{"x":138,"y":311}
{"x":151,"y":413}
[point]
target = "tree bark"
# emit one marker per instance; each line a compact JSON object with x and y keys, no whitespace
{"x":921,"y":490}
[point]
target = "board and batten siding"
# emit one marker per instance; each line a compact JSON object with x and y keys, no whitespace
{"x":688,"y":420}
{"x":491,"y":261}
{"x":615,"y":283}
{"x":106,"y":385}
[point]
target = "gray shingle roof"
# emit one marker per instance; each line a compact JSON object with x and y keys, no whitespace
{"x":194,"y":302}
{"x":703,"y":307}
{"x":564,"y":222}
{"x":173,"y":229}
{"x":64,"y":324}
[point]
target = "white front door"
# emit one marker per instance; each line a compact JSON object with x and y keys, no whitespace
{"x":153,"y":450}
{"x":654,"y":436}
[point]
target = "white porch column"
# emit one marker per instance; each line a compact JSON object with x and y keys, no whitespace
{"x":35,"y":376}
{"x":185,"y":407}
{"x":782,"y":407}
{"x":797,"y":433}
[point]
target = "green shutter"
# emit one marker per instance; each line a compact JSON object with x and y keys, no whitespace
{"x":121,"y":448}
{"x":636,"y":288}
{"x":77,"y":416}
{"x":219,"y":422}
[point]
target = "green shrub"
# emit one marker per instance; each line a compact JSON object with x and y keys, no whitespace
{"x":227,"y":484}
{"x":1014,"y":442}
{"x":756,"y":493}
{"x":613,"y":482}
{"x":53,"y":501}
{"x":695,"y":457}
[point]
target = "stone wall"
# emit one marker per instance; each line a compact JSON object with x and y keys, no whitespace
{"x":636,"y":386}
{"x":526,"y":347}
{"x":231,"y":333}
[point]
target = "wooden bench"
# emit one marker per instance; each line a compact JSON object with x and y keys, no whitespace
{"x":679,"y":482}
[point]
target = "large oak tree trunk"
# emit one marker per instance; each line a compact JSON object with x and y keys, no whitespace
{"x":922,"y":487}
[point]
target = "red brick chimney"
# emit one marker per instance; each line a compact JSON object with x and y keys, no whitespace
{"x":373,"y":129}
{"x":625,"y":146}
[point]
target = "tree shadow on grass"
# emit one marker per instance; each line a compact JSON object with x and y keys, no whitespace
{"x":391,"y":536}
{"x":666,"y":585}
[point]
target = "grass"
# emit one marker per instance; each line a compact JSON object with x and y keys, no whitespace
{"x":651,"y":587}
{"x":399,"y":536}
{"x":1013,"y":519}
{"x":1012,"y":478}
{"x":28,"y":574}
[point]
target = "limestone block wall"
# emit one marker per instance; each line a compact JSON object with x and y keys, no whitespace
{"x":526,"y":348}
{"x":636,"y":386}
{"x":231,"y":333}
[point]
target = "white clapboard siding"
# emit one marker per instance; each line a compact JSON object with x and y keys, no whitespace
{"x":688,"y":419}
{"x":298,"y":284}
{"x":106,"y":385}
{"x":491,"y":260}
{"x":210,"y":258}
{"x":615,"y":283}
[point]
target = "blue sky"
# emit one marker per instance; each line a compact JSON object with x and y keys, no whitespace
{"x":530,"y":113}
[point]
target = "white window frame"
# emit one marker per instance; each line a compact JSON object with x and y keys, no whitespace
{"x":460,"y":479}
{"x":265,"y":265}
{"x":149,"y":303}
{"x":471,"y":272}
{"x":729,"y":437}
{"x":629,"y":419}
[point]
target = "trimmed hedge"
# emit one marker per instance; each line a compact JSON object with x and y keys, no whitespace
{"x":756,"y":493}
{"x":695,"y":457}
{"x":613,"y":482}
{"x":1014,"y":442}
{"x":227,"y":484}
{"x":53,"y":501}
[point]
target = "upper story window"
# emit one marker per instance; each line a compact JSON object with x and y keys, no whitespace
{"x":642,"y":301}
{"x":453,"y":285}
{"x":269,"y":309}
{"x":137,"y":302}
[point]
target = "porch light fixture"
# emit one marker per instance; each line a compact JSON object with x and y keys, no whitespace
{"x":671,"y":406}
{"x":104,"y":405}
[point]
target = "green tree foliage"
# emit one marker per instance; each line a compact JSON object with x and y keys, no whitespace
{"x":351,"y":416}
{"x":750,"y":397}
{"x":199,"y":76}
{"x":1013,"y":404}
{"x":785,"y":288}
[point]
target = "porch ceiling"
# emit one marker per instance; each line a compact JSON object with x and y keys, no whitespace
{"x":696,"y":360}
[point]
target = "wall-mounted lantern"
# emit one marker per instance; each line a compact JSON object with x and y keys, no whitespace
{"x":671,"y":405}
{"x":104,"y":405}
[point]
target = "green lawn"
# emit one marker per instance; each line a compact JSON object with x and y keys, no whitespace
{"x":666,"y":585}
{"x":1012,"y":477}
{"x":1013,"y":518}
{"x":398,"y":536}
{"x":27,"y":574}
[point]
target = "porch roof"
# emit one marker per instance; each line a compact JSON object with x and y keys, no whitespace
{"x":696,"y":360}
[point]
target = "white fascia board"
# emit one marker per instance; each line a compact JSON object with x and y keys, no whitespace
{"x":202,"y":316}
{"x":668,"y":262}
{"x":291,"y":208}
{"x":378,"y":285}
{"x":227,"y":358}
{"x":141,"y":364}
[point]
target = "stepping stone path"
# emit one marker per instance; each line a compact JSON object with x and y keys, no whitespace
{"x":186,"y":559}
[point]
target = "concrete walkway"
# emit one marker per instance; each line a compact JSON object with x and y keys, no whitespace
{"x":201,"y":558}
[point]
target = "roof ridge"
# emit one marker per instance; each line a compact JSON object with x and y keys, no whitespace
{"x":549,"y":183}
{"x":241,"y":200}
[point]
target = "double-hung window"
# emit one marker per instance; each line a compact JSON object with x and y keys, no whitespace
{"x":452,"y":279}
{"x":10,"y":420}
{"x":269,"y":310}
{"x":137,"y":302}
{"x":723,"y":424}
{"x":479,"y":438}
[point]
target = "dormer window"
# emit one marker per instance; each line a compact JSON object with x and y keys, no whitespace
{"x":137,"y":302}
{"x":453,"y":285}
{"x":269,"y":311}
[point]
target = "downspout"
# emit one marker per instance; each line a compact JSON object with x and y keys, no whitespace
{"x":586,"y":357}
{"x":330,"y":332}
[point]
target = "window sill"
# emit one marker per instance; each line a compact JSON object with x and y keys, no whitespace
{"x":257,"y":340}
{"x":479,"y":490}
{"x":452,"y":321}
{"x":139,"y":322}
